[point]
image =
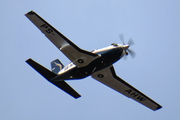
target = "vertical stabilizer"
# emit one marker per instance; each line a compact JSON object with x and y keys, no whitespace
{"x":56,"y":66}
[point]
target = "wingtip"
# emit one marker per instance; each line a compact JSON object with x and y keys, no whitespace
{"x":77,"y":97}
{"x":28,"y":60}
{"x":158,"y":107}
{"x":30,"y":12}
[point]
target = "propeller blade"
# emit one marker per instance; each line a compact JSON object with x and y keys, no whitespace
{"x":130,"y":42}
{"x":132,"y":53}
{"x":122,"y":38}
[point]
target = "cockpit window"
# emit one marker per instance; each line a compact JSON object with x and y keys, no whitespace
{"x":114,"y":44}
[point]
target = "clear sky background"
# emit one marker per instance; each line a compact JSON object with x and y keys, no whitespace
{"x":90,"y":24}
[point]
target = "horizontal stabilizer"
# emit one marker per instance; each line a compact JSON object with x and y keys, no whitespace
{"x":41,"y":70}
{"x":49,"y":75}
{"x":66,"y":88}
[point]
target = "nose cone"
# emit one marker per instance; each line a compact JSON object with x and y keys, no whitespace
{"x":126,"y":47}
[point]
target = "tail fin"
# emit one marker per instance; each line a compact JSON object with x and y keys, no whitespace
{"x":56,"y":66}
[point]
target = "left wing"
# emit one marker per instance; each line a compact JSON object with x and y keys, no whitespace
{"x":108,"y":77}
{"x":78,"y":56}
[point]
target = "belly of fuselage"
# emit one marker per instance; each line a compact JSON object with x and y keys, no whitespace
{"x":107,"y":59}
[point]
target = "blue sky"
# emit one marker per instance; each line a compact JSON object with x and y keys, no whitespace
{"x":154,"y":27}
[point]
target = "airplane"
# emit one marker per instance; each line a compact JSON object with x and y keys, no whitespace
{"x":98,"y":64}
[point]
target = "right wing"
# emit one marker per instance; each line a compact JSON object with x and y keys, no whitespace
{"x":78,"y":56}
{"x":108,"y":77}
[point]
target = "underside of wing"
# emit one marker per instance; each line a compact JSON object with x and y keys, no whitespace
{"x":78,"y":56}
{"x":108,"y":77}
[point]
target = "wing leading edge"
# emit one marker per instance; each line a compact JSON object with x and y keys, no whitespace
{"x":78,"y":56}
{"x":108,"y":77}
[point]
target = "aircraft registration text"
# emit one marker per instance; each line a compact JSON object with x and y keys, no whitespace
{"x":135,"y":95}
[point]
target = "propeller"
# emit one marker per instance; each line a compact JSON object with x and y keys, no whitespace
{"x":130,"y":42}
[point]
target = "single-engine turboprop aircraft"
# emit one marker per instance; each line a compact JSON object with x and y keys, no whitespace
{"x":98,"y":64}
